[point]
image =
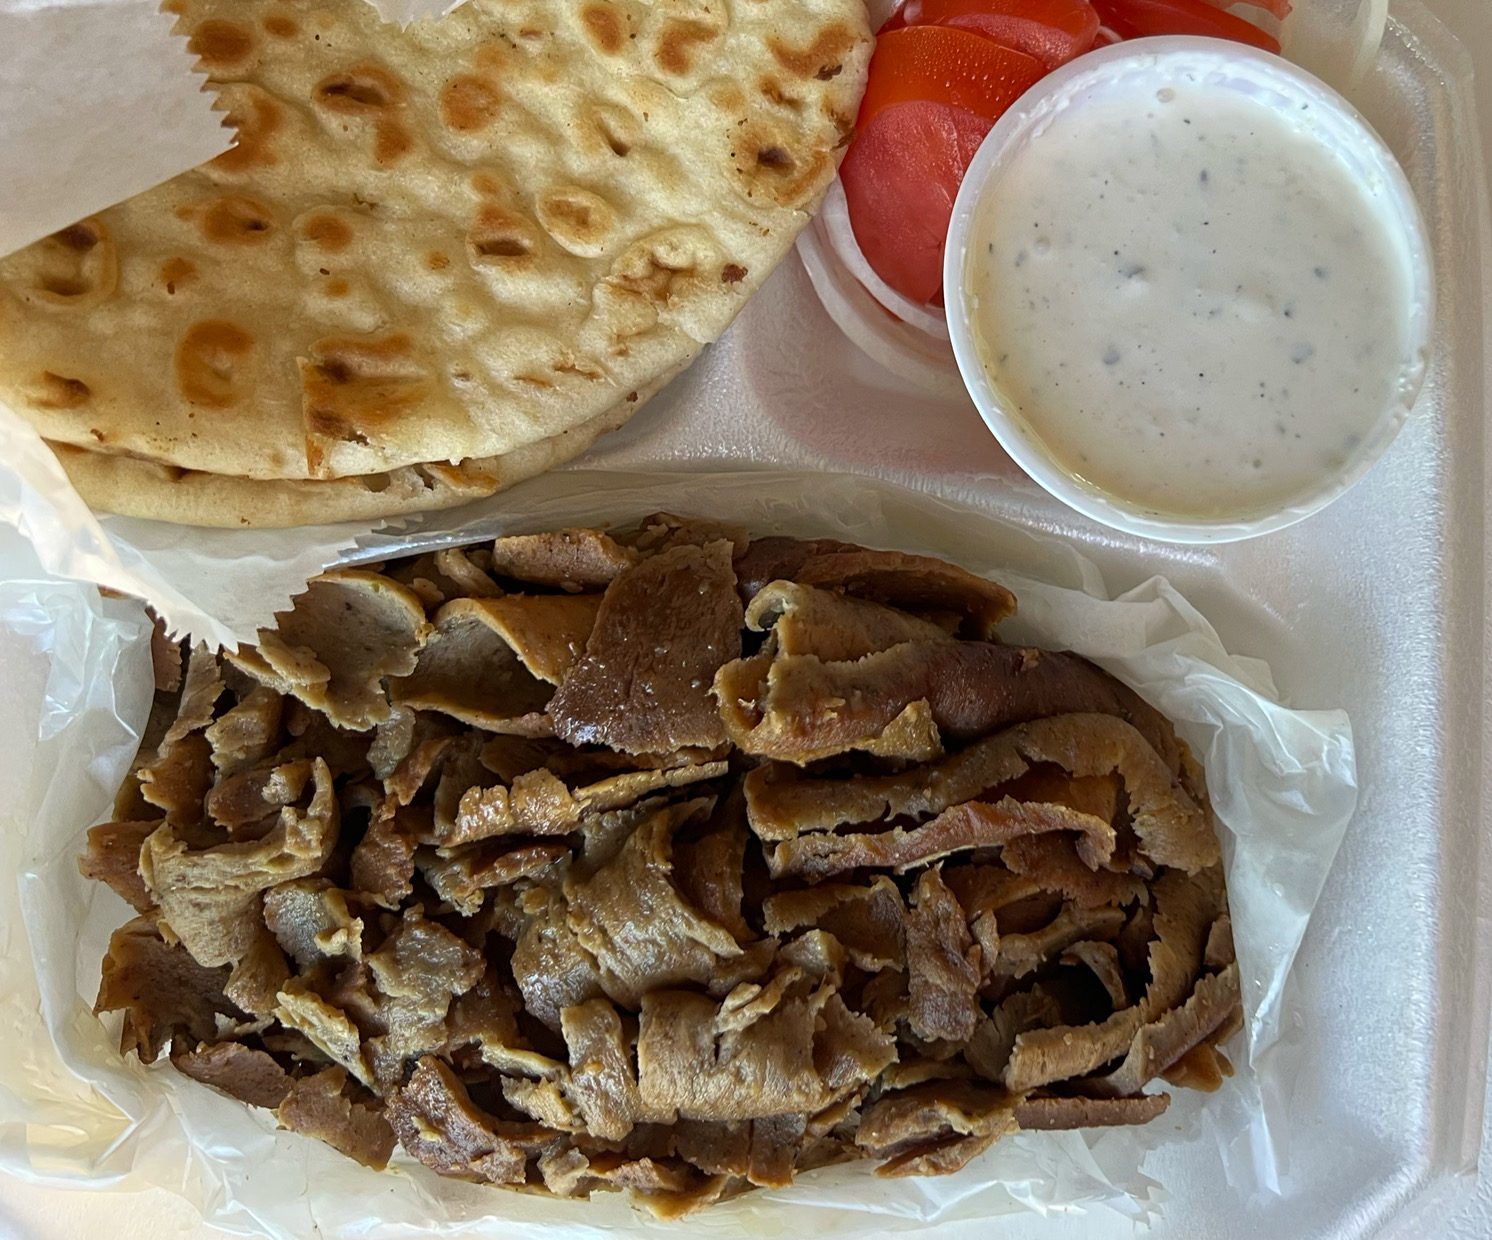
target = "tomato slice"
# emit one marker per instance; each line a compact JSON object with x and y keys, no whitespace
{"x":941,"y":64}
{"x":1053,"y":31}
{"x":1135,"y":19}
{"x":900,"y":178}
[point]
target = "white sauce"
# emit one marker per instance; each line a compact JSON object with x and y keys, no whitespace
{"x":1194,"y":308}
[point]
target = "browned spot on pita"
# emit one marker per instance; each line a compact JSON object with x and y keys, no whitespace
{"x":236,"y":220}
{"x":604,"y":25}
{"x":469,"y":104}
{"x":769,"y":162}
{"x":281,"y":27}
{"x":220,"y":44}
{"x":391,"y":140}
{"x":352,"y":386}
{"x":772,"y":91}
{"x":177,"y":272}
{"x":578,"y":219}
{"x":821,"y":59}
{"x":369,"y":91}
{"x":677,"y":44}
{"x":732,"y":273}
{"x":257,"y":118}
{"x":53,"y":391}
{"x":210,"y":361}
{"x":327,"y":232}
{"x":498,"y":236}
{"x":359,"y":91}
{"x":75,"y":267}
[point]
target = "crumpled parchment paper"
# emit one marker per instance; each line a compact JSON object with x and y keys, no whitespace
{"x":101,"y":102}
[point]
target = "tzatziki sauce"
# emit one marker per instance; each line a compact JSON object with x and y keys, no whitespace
{"x":1188,"y":300}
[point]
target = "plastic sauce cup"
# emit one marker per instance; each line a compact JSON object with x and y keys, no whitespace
{"x":1216,"y":65}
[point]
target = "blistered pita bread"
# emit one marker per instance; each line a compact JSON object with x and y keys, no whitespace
{"x":438,"y":244}
{"x":139,"y":488}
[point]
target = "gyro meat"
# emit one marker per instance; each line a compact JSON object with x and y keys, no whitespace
{"x":664,"y":629}
{"x":668,"y":861}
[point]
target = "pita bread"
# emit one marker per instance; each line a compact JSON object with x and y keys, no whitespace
{"x":137,"y":488}
{"x":445,"y":243}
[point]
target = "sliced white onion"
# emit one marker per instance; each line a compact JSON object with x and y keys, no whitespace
{"x":835,"y":216}
{"x":896,"y":346}
{"x":880,"y":11}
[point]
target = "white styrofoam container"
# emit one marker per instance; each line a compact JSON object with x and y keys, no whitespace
{"x":1378,"y":605}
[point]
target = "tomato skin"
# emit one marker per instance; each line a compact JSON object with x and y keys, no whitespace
{"x":1137,"y":19}
{"x":1051,"y":31}
{"x":900,"y":178}
{"x":942,"y":64}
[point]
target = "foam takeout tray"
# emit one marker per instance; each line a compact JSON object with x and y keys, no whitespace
{"x":1377,"y":605}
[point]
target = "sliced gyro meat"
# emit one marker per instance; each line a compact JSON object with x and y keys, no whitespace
{"x":797,"y":705}
{"x":539,"y":803}
{"x":240,"y":1071}
{"x":869,"y":920}
{"x":633,"y":918}
{"x":779,"y":558}
{"x":493,"y":663}
{"x":1161,"y":1043}
{"x":570,"y":560}
{"x":210,"y":897}
{"x":1055,"y":1112}
{"x":988,"y":1049}
{"x":312,"y":922}
{"x":913,"y":582}
{"x":552,"y":967}
{"x":321,"y":1106}
{"x":437,"y":1122}
{"x":1186,"y":907}
{"x":935,"y":1128}
{"x":664,"y":629}
{"x":662,"y":531}
{"x":810,"y":621}
{"x":113,"y":857}
{"x":943,"y":963}
{"x":698,"y":1059}
{"x":341,"y":638}
{"x":161,"y":990}
{"x":968,"y":826}
{"x":602,"y":1083}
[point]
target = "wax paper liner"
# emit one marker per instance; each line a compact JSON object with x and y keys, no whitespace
{"x":101,"y":103}
{"x":76,"y":670}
